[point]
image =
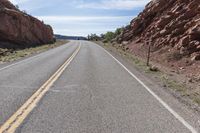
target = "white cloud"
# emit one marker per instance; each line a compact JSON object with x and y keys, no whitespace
{"x":81,"y":25}
{"x":84,"y":25}
{"x":115,"y":4}
{"x":82,"y":18}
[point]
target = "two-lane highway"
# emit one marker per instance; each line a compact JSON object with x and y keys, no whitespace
{"x":18,"y":82}
{"x":94,"y":94}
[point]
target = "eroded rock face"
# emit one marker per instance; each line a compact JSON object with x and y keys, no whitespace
{"x":173,"y":23}
{"x":18,"y":29}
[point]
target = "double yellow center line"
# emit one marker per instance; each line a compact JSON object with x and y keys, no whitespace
{"x":19,"y":116}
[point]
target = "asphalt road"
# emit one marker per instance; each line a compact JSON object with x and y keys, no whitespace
{"x":95,"y":94}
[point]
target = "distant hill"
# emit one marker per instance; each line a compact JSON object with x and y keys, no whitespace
{"x":70,"y":37}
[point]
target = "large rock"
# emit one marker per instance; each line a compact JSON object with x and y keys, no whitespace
{"x":19,"y":30}
{"x":170,"y":23}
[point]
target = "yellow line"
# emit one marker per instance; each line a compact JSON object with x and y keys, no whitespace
{"x":19,"y":116}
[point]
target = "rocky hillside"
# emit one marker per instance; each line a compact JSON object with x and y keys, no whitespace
{"x":19,"y":30}
{"x":173,"y":25}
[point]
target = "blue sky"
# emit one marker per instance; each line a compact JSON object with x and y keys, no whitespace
{"x":83,"y":17}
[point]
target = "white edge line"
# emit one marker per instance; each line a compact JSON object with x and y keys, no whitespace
{"x":174,"y":113}
{"x":23,"y":60}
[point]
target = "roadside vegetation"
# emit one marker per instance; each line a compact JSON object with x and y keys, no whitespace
{"x":8,"y":55}
{"x":107,"y":37}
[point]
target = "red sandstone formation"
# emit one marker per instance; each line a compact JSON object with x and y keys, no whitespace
{"x":174,"y":24}
{"x":19,"y":30}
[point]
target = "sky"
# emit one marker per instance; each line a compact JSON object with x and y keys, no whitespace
{"x":83,"y":17}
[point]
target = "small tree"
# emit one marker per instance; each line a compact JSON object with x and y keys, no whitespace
{"x":109,"y":36}
{"x":118,"y":31}
{"x":93,"y":37}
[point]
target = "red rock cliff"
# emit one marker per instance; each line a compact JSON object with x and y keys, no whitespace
{"x":170,"y":23}
{"x":18,"y":29}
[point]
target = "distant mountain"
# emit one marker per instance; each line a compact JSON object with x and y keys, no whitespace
{"x":70,"y":37}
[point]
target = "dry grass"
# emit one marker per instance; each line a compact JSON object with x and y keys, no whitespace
{"x":7,"y":55}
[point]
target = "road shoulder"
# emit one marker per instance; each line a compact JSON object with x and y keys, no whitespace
{"x":184,"y":107}
{"x":24,"y":54}
{"x":10,"y":55}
